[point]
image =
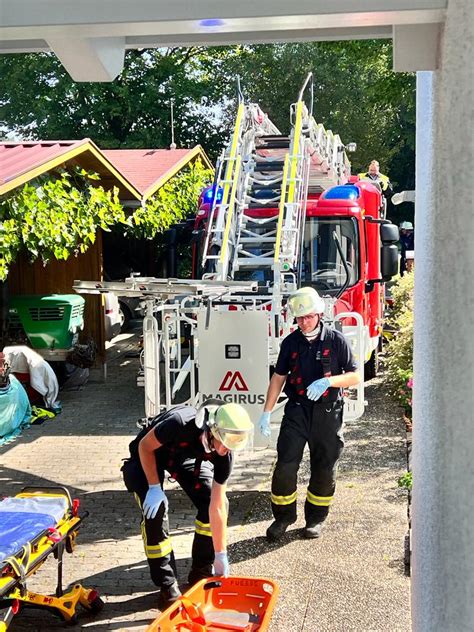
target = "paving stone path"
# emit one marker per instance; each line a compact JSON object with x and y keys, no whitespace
{"x":351,"y":579}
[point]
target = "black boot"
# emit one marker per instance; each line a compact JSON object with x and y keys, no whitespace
{"x":277,"y":529}
{"x":313,"y":530}
{"x":169,"y":595}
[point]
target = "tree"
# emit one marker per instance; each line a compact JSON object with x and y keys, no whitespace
{"x":40,"y":100}
{"x":356,"y":95}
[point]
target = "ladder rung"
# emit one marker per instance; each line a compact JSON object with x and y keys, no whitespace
{"x":255,"y":262}
{"x":257,"y":240}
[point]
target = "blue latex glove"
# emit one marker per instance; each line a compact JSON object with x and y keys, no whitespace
{"x":317,"y":388}
{"x":221,"y":564}
{"x":264,"y":424}
{"x":154,"y":497}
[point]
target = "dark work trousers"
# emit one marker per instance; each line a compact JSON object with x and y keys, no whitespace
{"x":320,"y":425}
{"x":155,"y":532}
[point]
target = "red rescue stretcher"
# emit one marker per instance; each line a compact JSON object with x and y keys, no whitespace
{"x":33,"y":524}
{"x":222,"y":604}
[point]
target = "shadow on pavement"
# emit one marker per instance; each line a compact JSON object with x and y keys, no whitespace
{"x":114,"y":515}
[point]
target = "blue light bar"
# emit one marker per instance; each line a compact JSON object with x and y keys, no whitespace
{"x":208,"y":195}
{"x":342,"y":192}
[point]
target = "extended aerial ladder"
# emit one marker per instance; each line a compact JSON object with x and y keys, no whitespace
{"x":254,"y":231}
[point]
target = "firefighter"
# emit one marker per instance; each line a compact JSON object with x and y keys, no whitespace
{"x":407,"y":244}
{"x":195,"y":447}
{"x":314,"y":365}
{"x":373,"y":173}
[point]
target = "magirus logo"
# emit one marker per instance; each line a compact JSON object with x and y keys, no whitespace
{"x":233,"y":380}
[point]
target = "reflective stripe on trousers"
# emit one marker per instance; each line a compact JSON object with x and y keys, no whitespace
{"x":318,"y":424}
{"x":155,"y":532}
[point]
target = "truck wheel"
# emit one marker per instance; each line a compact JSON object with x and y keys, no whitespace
{"x":371,"y":367}
{"x":125,"y":316}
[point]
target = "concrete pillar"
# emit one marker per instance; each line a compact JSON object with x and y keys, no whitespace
{"x":443,"y":431}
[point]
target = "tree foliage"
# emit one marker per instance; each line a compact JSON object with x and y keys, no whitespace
{"x":173,"y":202}
{"x":356,"y":95}
{"x":41,"y":101}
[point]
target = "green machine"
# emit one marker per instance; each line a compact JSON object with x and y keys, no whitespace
{"x":47,"y":323}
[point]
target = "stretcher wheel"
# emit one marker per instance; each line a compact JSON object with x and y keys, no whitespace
{"x":73,"y":620}
{"x":96,"y":605}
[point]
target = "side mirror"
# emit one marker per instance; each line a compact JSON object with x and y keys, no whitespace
{"x":389,"y":233}
{"x":389,"y":260}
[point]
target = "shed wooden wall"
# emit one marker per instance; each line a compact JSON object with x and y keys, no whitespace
{"x":57,"y":277}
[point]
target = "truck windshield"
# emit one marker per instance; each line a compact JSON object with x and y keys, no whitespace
{"x":322,"y":266}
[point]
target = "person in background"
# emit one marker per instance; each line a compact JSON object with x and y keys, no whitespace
{"x":195,"y":447}
{"x":314,"y":365}
{"x":407,"y":243}
{"x":373,"y":174}
{"x":410,"y":260}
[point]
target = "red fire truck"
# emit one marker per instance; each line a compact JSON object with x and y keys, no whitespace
{"x":351,"y":270}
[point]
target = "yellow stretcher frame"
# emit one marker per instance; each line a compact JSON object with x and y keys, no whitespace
{"x":16,"y":569}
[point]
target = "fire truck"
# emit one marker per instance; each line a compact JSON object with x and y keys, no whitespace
{"x":283,"y":211}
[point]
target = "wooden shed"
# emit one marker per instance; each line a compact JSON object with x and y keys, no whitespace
{"x":136,"y":173}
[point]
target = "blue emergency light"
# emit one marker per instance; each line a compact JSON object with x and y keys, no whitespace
{"x":209,"y":193}
{"x":342,"y":192}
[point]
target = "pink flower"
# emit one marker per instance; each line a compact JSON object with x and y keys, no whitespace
{"x":410,"y":383}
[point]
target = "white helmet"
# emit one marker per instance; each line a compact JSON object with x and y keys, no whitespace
{"x":229,"y":423}
{"x":305,"y":301}
{"x":406,"y":225}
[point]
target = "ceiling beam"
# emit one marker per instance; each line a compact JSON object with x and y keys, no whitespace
{"x":90,"y":37}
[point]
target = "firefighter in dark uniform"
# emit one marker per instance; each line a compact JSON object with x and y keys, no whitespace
{"x":195,"y":448}
{"x":314,"y":365}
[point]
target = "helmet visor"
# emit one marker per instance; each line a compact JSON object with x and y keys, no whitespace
{"x":232,"y":440}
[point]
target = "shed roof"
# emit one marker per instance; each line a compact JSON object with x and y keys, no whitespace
{"x":149,"y":169}
{"x":20,"y":162}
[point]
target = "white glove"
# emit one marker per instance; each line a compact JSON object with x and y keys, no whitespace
{"x":154,"y":497}
{"x":221,"y":564}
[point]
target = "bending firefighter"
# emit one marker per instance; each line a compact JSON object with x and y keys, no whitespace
{"x":314,"y":365}
{"x":195,"y":448}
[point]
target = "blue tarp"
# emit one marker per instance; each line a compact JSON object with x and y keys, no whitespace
{"x":15,"y":410}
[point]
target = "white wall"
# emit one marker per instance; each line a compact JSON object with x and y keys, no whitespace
{"x":443,"y":439}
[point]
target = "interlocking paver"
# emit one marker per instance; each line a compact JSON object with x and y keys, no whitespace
{"x":82,"y":449}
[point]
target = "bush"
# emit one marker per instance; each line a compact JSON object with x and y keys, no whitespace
{"x":399,"y":373}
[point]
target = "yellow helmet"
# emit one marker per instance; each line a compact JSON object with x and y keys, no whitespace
{"x":305,"y":301}
{"x":229,"y":423}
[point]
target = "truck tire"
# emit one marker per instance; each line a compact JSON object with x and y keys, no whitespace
{"x":371,"y":367}
{"x":125,"y":316}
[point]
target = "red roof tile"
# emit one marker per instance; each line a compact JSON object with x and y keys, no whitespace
{"x":145,"y":167}
{"x":19,"y":158}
